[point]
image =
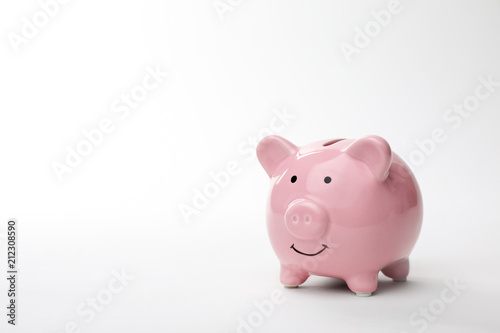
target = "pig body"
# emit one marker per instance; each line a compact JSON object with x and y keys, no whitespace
{"x":341,"y":208}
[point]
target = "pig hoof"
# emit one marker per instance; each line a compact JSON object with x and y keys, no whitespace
{"x":399,"y":280}
{"x":287,"y":286}
{"x":364,"y":294}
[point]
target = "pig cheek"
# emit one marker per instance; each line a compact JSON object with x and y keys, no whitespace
{"x":276,"y":209}
{"x":279,"y":198}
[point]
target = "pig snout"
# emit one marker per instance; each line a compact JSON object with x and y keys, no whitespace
{"x":305,"y":219}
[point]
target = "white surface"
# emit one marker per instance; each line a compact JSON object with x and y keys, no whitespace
{"x":119,"y":209}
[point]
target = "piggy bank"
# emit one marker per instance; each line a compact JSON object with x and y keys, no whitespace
{"x":340,"y":208}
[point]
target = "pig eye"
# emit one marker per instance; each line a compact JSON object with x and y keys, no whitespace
{"x":294,"y":179}
{"x":327,"y":179}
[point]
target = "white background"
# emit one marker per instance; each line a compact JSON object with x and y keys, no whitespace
{"x":119,"y":208}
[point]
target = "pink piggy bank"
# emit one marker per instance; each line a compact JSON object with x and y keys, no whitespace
{"x":340,"y":208}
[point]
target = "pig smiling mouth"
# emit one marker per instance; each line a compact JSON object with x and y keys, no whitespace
{"x":310,"y":254}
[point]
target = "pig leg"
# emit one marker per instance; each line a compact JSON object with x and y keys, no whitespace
{"x":363,"y":284}
{"x":398,"y":270}
{"x":292,"y":275}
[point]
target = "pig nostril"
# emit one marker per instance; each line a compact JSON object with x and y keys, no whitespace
{"x":305,"y":220}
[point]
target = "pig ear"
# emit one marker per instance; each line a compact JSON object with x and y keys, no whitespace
{"x":375,"y":152}
{"x":272,"y":150}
